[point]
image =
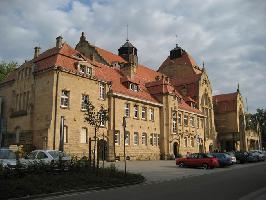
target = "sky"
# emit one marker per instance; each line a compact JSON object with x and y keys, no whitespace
{"x":228,"y":35}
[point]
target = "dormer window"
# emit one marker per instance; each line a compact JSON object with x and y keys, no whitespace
{"x":134,"y":87}
{"x":84,"y":69}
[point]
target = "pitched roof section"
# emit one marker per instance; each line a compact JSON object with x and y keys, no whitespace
{"x":109,"y":56}
{"x":184,"y":106}
{"x":225,"y":102}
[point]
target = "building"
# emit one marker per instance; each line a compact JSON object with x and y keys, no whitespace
{"x":168,"y":112}
{"x":233,"y":134}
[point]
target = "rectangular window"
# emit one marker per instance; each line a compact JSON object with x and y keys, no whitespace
{"x":65,"y":99}
{"x":84,"y":136}
{"x":179,"y":118}
{"x":192,"y":142}
{"x":127,"y":110}
{"x":185,"y":142}
{"x":174,"y":118}
{"x":158,"y":139}
{"x":144,"y":139}
{"x":89,"y":71}
{"x":136,"y":138}
{"x":136,"y":111}
{"x":127,"y":138}
{"x":151,"y":139}
{"x":84,"y":101}
{"x":186,"y":120}
{"x":102,"y":91}
{"x":154,"y":139}
{"x":144,"y":113}
{"x":192,"y":121}
{"x":151,"y":114}
{"x":198,"y":122}
{"x":117,"y":137}
{"x":102,"y":120}
{"x":82,"y":68}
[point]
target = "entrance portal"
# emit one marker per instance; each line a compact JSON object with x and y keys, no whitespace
{"x":102,"y":148}
{"x":176,"y":149}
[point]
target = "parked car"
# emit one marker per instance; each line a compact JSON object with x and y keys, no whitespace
{"x":7,"y":158}
{"x":233,"y":157}
{"x":223,"y":158}
{"x":252,"y":157}
{"x":241,"y":156}
{"x":47,"y":157}
{"x":198,"y":160}
{"x":260,"y":155}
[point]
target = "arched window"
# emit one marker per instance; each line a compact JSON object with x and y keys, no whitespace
{"x":127,"y":138}
{"x":144,"y":139}
{"x":136,"y":138}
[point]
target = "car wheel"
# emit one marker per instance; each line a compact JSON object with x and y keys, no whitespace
{"x":181,"y":164}
{"x":205,"y":166}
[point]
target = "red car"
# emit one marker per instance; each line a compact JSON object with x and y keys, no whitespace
{"x":204,"y":160}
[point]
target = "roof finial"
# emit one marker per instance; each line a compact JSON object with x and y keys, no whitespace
{"x":127,"y":34}
{"x":176,"y":44}
{"x":237,"y":87}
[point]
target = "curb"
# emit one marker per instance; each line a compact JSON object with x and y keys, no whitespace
{"x":97,"y":188}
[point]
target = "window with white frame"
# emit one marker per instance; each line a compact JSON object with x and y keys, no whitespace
{"x":155,"y":139}
{"x":84,"y":101}
{"x":84,"y":135}
{"x":84,"y":69}
{"x":136,"y":111}
{"x":174,"y":121}
{"x":117,"y":138}
{"x":65,"y":98}
{"x":102,"y":90}
{"x":192,"y":120}
{"x":144,"y":139}
{"x":127,"y":138}
{"x":151,"y":114}
{"x":151,"y":139}
{"x":134,"y":87}
{"x":102,"y":120}
{"x":65,"y":134}
{"x":192,"y":142}
{"x":186,"y":120}
{"x":179,"y":118}
{"x":127,"y":110}
{"x":136,"y":138}
{"x":144,"y":113}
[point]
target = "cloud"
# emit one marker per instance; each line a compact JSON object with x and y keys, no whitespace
{"x":228,"y":35}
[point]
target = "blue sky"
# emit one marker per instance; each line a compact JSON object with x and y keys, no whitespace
{"x":228,"y":35}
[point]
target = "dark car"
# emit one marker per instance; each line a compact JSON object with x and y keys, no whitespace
{"x":198,"y":160}
{"x":241,"y":156}
{"x":223,"y":158}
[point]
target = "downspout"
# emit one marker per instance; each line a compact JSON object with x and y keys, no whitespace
{"x":55,"y":102}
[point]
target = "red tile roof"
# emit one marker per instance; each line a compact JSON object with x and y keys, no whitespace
{"x":109,"y":56}
{"x":225,"y":102}
{"x":184,"y":106}
{"x":185,"y":59}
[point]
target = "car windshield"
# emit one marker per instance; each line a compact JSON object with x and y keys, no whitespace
{"x":31,"y":155}
{"x":56,"y":154}
{"x":7,"y":154}
{"x":208,"y":155}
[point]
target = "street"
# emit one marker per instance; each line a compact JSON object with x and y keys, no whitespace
{"x":236,"y":182}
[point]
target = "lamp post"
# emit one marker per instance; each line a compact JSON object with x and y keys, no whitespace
{"x":125,"y":160}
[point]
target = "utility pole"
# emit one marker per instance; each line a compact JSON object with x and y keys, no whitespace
{"x":125,"y":160}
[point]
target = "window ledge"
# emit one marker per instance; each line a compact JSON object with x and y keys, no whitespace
{"x":19,"y":113}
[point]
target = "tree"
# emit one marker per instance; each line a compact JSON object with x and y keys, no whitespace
{"x":258,"y":118}
{"x":6,"y":68}
{"x":95,"y":119}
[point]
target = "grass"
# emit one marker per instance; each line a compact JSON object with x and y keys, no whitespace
{"x":43,"y":182}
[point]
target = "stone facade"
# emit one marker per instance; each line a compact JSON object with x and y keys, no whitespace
{"x":168,"y":112}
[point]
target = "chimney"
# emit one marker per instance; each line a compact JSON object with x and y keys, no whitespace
{"x":36,"y":51}
{"x":59,"y":41}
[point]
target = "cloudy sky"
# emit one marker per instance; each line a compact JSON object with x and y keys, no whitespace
{"x":229,"y":35}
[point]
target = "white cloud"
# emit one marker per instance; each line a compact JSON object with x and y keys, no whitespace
{"x":228,"y":35}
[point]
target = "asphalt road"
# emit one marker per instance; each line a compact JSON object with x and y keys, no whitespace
{"x":225,"y":185}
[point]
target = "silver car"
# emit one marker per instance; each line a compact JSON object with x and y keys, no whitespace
{"x":47,"y":157}
{"x":8,"y":158}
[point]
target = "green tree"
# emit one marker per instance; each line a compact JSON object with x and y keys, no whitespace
{"x":258,"y":118}
{"x":5,"y":68}
{"x":95,"y":118}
